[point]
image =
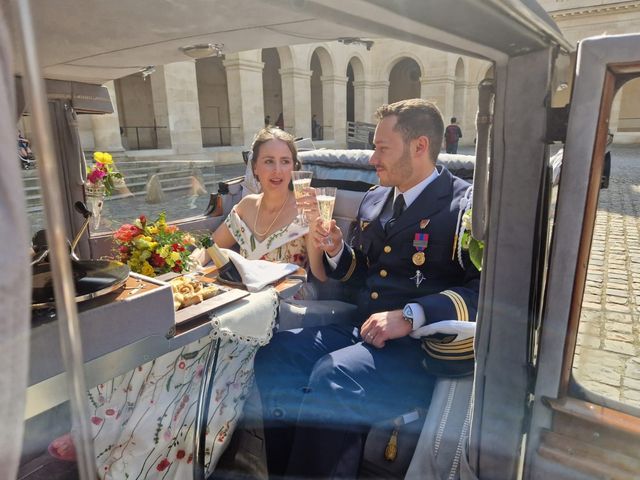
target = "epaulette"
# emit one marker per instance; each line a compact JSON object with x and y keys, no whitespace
{"x":373,"y":187}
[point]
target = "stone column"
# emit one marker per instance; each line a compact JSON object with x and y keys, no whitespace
{"x":468,"y":120}
{"x":334,"y":101}
{"x":106,"y":128}
{"x":182,"y":107}
{"x":361,"y":94}
{"x":246,"y":101}
{"x":160,"y":109}
{"x":296,"y":101}
{"x":378,"y":95}
{"x":439,"y":90}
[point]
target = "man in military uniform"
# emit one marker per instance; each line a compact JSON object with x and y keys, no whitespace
{"x":322,"y":388}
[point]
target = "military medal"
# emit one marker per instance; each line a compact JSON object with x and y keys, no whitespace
{"x":423,"y":223}
{"x":420,"y":243}
{"x":418,"y":277}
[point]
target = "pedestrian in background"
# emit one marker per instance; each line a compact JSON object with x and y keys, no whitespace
{"x":452,"y":135}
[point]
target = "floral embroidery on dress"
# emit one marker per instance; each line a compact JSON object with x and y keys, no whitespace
{"x":284,"y":245}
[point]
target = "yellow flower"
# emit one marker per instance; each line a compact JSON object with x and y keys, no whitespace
{"x":152,"y":229}
{"x":175,"y":256}
{"x":147,"y":270}
{"x":98,"y":157}
{"x":107,"y":159}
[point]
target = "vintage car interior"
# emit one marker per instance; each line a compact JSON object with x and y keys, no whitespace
{"x":521,"y":414}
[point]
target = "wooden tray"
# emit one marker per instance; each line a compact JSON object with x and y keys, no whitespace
{"x":227,"y":296}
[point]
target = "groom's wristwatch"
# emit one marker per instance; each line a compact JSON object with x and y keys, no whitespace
{"x":407,"y":314}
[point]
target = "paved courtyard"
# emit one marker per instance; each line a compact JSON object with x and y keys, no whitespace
{"x":608,"y":352}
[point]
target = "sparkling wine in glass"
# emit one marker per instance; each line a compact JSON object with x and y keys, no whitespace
{"x":326,"y":197}
{"x":301,"y":181}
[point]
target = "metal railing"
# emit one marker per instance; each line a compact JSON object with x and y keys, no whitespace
{"x":216,"y":136}
{"x":360,"y":135}
{"x":141,"y":138}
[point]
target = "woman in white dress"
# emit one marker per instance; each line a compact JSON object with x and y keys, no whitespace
{"x":263,"y":225}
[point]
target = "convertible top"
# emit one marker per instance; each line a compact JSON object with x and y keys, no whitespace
{"x":94,"y":41}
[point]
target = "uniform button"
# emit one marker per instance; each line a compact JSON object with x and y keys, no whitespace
{"x":383,"y":273}
{"x":387,"y":249}
{"x":374,"y":295}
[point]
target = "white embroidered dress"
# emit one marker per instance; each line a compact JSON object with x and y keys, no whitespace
{"x":284,"y":245}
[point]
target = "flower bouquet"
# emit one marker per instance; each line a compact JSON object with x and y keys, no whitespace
{"x":101,"y":180}
{"x":153,"y":248}
{"x":102,"y":174}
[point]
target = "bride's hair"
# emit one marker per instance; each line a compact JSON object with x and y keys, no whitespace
{"x":271,"y":133}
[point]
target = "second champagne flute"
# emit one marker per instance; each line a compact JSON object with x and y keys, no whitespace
{"x":301,"y":180}
{"x":326,"y":201}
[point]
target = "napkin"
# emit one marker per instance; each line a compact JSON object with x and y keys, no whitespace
{"x":257,"y":274}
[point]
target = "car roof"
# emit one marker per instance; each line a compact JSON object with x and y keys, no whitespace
{"x":95,"y":41}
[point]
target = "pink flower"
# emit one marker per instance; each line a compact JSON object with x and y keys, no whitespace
{"x":180,"y":454}
{"x":96,"y":175}
{"x":182,"y":364}
{"x":96,"y":420}
{"x":110,"y":412}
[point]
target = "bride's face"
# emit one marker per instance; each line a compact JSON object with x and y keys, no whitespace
{"x":274,"y":165}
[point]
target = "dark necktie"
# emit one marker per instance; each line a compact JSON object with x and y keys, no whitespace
{"x":398,"y":207}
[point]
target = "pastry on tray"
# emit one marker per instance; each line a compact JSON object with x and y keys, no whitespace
{"x":188,"y":291}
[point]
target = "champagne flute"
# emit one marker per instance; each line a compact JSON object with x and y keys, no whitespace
{"x":301,"y":181}
{"x":326,"y":197}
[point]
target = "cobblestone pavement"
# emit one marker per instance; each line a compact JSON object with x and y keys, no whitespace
{"x":607,"y":353}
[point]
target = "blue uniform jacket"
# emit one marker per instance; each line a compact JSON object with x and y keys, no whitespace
{"x":383,"y":265}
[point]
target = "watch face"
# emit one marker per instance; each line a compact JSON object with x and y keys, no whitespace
{"x":407,"y":312}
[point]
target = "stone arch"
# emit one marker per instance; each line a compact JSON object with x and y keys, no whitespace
{"x":626,"y":124}
{"x":355,"y":89}
{"x":213,"y":100}
{"x":322,"y":101}
{"x":272,"y":59}
{"x":404,"y":77}
{"x":140,"y":124}
{"x":386,"y":71}
{"x":459,"y":90}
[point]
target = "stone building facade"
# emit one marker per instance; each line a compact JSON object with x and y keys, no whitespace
{"x":211,"y":108}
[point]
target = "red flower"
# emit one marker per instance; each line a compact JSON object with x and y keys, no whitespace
{"x":126,"y":233}
{"x":182,"y":364}
{"x":96,"y":420}
{"x":143,"y":220}
{"x":157,"y":260}
{"x":124,"y":249}
{"x":110,"y":412}
{"x":164,"y":463}
{"x":180,"y":454}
